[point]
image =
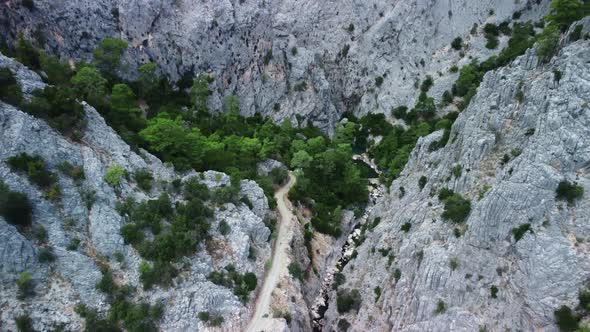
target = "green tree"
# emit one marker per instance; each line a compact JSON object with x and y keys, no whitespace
{"x":344,"y":133}
{"x":316,"y":145}
{"x":564,"y":12}
{"x":58,"y":72}
{"x":107,"y":56}
{"x":301,"y":159}
{"x":468,"y":77}
{"x":147,"y":80}
{"x":425,"y":106}
{"x":10,"y":91}
{"x":566,"y":319}
{"x":90,"y":84}
{"x":26,"y":53}
{"x":547,"y":42}
{"x":124,"y":112}
{"x":200,"y":93}
{"x":170,"y":140}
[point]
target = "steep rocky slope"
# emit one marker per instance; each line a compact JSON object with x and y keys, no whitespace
{"x":540,"y":122}
{"x":524,"y":132}
{"x":304,"y":60}
{"x":72,"y":278}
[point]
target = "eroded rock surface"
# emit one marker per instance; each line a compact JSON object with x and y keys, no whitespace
{"x":71,"y":279}
{"x":546,"y":136}
{"x":308,"y":61}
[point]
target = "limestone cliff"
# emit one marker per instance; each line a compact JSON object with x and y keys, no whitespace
{"x":541,"y":123}
{"x":302,"y":60}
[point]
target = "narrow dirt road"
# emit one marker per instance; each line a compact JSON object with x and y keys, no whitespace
{"x":262,"y":319}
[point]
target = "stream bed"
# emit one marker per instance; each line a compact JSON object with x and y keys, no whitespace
{"x":376,"y":190}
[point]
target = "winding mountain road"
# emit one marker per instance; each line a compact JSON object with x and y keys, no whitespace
{"x":262,"y":319}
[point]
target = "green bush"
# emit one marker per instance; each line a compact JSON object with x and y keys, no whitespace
{"x":343,"y":325}
{"x":504,"y":28}
{"x":242,"y":284}
{"x":520,"y":231}
{"x":378,"y":81}
{"x":566,"y":319}
{"x":24,"y":323}
{"x":557,"y":74}
{"x":46,"y":255}
{"x":348,"y":300}
{"x":57,"y":105}
{"x":25,"y":285}
{"x":15,"y":207}
{"x":279,"y":176}
{"x":491,"y":29}
{"x":295,"y":270}
{"x":563,"y":13}
{"x":447,"y":98}
{"x":194,"y":189}
{"x":569,"y":191}
{"x":454,"y":263}
{"x":399,"y":112}
{"x":34,"y":167}
{"x":216,"y":321}
{"x":422,"y":182}
{"x":144,"y":179}
{"x":114,"y":175}
{"x":161,"y":273}
{"x":10,"y":91}
{"x":75,"y":172}
{"x":494,"y":292}
{"x":300,"y":87}
{"x":547,"y":42}
{"x":224,"y":228}
{"x":377,"y":291}
{"x":204,"y":316}
{"x":457,"y":208}
{"x":106,"y":283}
{"x":426,"y":84}
{"x":267,"y":57}
{"x":406,"y":227}
{"x":26,"y":53}
{"x":73,"y":245}
{"x":492,"y":42}
{"x":344,"y":51}
{"x":576,"y":34}
{"x":457,"y":43}
{"x":339,"y":279}
{"x":440,"y":307}
{"x":397,"y":274}
{"x":107,"y":57}
{"x":457,"y":170}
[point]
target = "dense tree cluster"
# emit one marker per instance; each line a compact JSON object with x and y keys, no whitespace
{"x":242,"y":284}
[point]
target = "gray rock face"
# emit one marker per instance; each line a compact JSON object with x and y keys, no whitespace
{"x":72,"y":277}
{"x":297,"y":60}
{"x":547,"y":140}
{"x":28,"y":80}
{"x":17,"y":254}
{"x":255,"y":195}
{"x":264,"y":168}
